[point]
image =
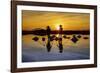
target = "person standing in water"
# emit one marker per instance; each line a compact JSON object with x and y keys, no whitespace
{"x":60,"y":39}
{"x":48,"y":45}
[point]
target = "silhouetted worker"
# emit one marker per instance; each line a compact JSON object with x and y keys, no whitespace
{"x":60,"y":39}
{"x":61,"y":29}
{"x":48,"y":42}
{"x":48,"y":31}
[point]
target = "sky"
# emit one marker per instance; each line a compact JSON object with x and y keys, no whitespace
{"x":42,"y":19}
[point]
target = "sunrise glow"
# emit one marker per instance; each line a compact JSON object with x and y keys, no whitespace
{"x":42,"y":19}
{"x":57,"y":27}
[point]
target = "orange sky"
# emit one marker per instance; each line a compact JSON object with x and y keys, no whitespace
{"x":41,"y":19}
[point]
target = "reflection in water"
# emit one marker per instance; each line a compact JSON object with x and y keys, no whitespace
{"x":85,"y":37}
{"x":36,"y":51}
{"x":35,"y":39}
{"x":60,"y":40}
{"x":74,"y":39}
{"x":48,"y":46}
{"x":48,"y":43}
{"x":30,"y":40}
{"x":60,"y":46}
{"x":79,"y":36}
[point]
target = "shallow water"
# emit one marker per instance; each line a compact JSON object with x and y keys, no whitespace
{"x":34,"y":51}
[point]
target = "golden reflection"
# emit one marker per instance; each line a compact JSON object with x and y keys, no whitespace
{"x":66,"y":42}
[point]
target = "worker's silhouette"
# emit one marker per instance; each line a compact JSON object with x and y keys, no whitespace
{"x":60,"y":39}
{"x":60,"y":30}
{"x":48,"y":45}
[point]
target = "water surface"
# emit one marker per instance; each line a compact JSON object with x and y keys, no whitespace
{"x":35,"y":51}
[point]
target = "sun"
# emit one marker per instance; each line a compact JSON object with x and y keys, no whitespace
{"x":57,"y":27}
